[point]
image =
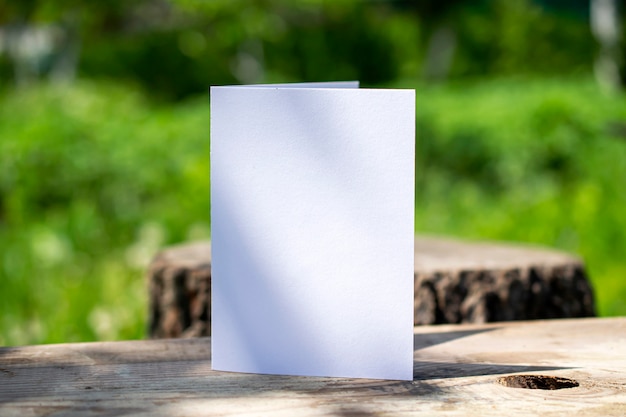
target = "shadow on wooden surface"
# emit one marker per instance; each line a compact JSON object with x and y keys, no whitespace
{"x":424,"y":371}
{"x":422,"y":341}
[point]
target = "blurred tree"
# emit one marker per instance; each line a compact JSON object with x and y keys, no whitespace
{"x":43,"y":37}
{"x":438,"y":26}
{"x":176,"y":48}
{"x":606,"y":25}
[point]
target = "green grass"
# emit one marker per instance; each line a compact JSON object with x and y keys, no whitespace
{"x":94,"y":179}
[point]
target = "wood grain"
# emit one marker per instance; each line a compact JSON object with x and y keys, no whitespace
{"x":456,"y":368}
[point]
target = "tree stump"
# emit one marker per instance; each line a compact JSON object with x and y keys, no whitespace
{"x":455,"y":282}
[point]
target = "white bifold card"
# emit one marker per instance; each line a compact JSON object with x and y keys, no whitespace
{"x":312,"y":205}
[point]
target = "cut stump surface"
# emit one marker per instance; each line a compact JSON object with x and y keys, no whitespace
{"x":455,"y":282}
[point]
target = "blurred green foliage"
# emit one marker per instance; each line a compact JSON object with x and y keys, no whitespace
{"x":539,"y":161}
{"x":515,"y":140}
{"x":221,"y":42}
{"x":176,"y":48}
{"x":94,"y":179}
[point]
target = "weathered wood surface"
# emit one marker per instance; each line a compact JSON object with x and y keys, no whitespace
{"x":456,"y":373}
{"x":455,"y":282}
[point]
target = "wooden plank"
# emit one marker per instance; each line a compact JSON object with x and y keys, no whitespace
{"x":456,"y":374}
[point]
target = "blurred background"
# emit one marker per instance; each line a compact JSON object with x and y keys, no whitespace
{"x":104,"y":132}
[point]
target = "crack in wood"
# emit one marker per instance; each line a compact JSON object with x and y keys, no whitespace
{"x":537,"y":382}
